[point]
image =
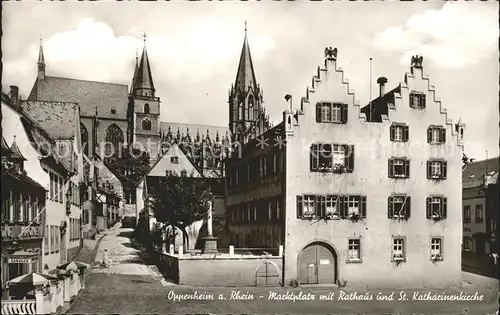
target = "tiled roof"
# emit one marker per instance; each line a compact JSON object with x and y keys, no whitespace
{"x":193,"y":129}
{"x":59,"y":119}
{"x":88,"y":94}
{"x":14,"y":175}
{"x":40,"y":137}
{"x":474,"y":171}
{"x":380,"y":105}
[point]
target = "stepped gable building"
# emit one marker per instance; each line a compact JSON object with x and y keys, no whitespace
{"x":359,"y":196}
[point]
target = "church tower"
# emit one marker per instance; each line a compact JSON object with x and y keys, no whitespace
{"x":145,"y":118}
{"x":247,"y":117}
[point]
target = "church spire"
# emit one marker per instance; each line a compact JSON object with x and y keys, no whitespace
{"x":136,"y":70}
{"x":246,"y":75}
{"x":41,"y":62}
{"x":144,"y":82}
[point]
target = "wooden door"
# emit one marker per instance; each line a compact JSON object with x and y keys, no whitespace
{"x":317,"y":265}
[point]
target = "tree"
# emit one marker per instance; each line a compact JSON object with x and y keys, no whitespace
{"x":179,"y":201}
{"x":130,"y":166}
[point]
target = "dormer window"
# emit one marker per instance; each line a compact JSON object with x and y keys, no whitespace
{"x":327,"y":112}
{"x":436,"y":135}
{"x":399,"y":132}
{"x":417,"y":100}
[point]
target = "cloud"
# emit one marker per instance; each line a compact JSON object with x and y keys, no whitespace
{"x":93,"y":50}
{"x":458,"y":35}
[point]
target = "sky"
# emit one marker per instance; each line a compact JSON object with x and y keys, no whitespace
{"x":194,"y":49}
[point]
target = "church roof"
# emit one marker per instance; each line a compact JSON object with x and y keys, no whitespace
{"x":246,"y":74}
{"x":88,"y":94}
{"x":144,"y":79}
{"x":193,"y":129}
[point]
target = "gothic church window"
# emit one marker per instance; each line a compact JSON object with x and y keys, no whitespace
{"x":146,"y":108}
{"x":250,"y":108}
{"x":85,"y":139}
{"x":240,"y":111}
{"x":146,"y":124}
{"x":114,"y":139}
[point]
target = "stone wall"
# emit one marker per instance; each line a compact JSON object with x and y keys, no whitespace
{"x":224,"y":271}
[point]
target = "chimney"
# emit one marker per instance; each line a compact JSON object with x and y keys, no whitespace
{"x":14,"y":95}
{"x":382,"y":81}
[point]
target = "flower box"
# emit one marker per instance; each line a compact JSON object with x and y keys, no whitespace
{"x":398,"y":257}
{"x":307,"y":215}
{"x":436,"y":216}
{"x":437,"y":257}
{"x":354,"y":216}
{"x":332,"y":216}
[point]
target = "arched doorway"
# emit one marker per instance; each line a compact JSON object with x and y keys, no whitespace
{"x":317,"y":264}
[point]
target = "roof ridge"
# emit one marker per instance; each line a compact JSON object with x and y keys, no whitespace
{"x":488,"y":159}
{"x":193,"y":124}
{"x":102,"y":82}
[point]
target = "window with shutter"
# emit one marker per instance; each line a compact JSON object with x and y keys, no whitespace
{"x":417,"y":100}
{"x":442,"y":138}
{"x":399,"y":168}
{"x":392,"y":132}
{"x":406,"y":133}
{"x":299,"y":207}
{"x":350,"y":158}
{"x":344,"y":113}
{"x":444,"y":208}
{"x":429,"y":209}
{"x":363,"y":206}
{"x":318,"y":112}
{"x":314,"y":157}
{"x":344,"y":204}
{"x":391,"y":168}
{"x":390,"y":212}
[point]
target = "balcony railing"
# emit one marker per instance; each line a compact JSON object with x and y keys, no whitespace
{"x":19,"y":307}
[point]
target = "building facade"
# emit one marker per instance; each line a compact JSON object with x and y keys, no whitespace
{"x":50,"y":136}
{"x":480,"y":206}
{"x":363,"y":196}
{"x":22,"y":230}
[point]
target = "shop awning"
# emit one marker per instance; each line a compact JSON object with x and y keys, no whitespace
{"x":23,"y":257}
{"x":33,"y":279}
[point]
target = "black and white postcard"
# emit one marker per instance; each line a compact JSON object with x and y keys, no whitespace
{"x":253,"y":157}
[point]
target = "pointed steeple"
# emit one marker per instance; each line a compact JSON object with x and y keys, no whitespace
{"x":246,"y":74}
{"x":144,"y":81}
{"x":136,"y":70}
{"x":16,"y":153}
{"x":41,"y":62}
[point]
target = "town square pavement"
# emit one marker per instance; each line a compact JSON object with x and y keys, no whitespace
{"x":129,"y":286}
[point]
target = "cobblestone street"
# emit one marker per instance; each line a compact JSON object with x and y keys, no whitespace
{"x":130,"y":287}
